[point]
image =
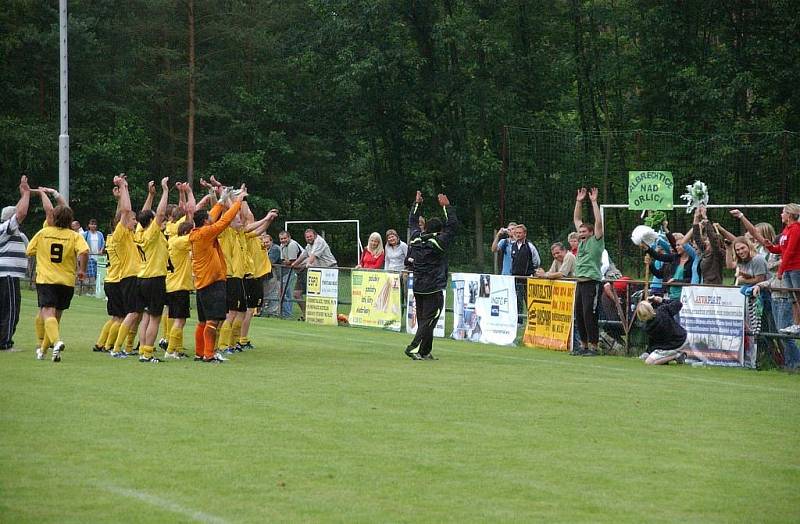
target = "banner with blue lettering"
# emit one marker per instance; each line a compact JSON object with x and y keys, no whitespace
{"x":714,"y":320}
{"x":484,"y":308}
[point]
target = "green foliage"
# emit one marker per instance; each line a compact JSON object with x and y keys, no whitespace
{"x":309,"y":102}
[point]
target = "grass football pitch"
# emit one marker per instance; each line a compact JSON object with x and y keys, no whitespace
{"x":336,"y":424}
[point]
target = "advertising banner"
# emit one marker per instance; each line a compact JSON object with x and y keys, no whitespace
{"x":322,"y":297}
{"x":485,"y":308}
{"x":714,"y":320}
{"x":550,"y":312}
{"x":411,"y":312}
{"x":376,"y":300}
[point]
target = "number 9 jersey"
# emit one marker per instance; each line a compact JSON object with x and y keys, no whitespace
{"x":56,"y":250}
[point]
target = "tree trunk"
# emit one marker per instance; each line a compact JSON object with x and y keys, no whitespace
{"x":190,"y":130}
{"x":479,"y":233}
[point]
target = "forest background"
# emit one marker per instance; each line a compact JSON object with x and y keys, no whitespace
{"x":334,"y":109}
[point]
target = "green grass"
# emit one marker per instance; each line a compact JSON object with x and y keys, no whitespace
{"x":335,"y":424}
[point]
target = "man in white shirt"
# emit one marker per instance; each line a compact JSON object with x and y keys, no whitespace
{"x":13,"y":263}
{"x":317,"y":253}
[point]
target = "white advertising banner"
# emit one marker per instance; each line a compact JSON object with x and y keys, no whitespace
{"x":485,"y":308}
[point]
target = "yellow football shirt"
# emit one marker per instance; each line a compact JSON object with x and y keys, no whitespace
{"x":261,"y":262}
{"x":171,"y":228}
{"x":156,"y":252}
{"x":130,"y":258}
{"x":56,"y":250}
{"x":234,"y":253}
{"x":113,"y":266}
{"x":179,"y":269}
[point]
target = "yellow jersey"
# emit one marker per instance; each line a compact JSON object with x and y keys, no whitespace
{"x":179,"y":267}
{"x":56,"y":250}
{"x":113,"y":265}
{"x":261,"y":262}
{"x":155,"y":252}
{"x":233,"y":249}
{"x":127,"y":252}
{"x":171,"y":228}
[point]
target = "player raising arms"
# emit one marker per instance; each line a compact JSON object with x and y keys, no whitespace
{"x":208,"y":266}
{"x":58,"y":251}
{"x":179,"y":277}
{"x":153,"y":273}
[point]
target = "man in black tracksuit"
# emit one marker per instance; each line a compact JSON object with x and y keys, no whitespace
{"x":428,"y":258}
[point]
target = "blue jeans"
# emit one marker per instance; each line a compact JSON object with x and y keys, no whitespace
{"x":287,"y":281}
{"x":782,"y":312}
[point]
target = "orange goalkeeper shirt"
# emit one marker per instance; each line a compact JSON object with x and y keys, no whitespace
{"x":208,"y":262}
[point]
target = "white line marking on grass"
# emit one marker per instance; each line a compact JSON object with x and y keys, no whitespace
{"x":560,"y":363}
{"x":167,"y":505}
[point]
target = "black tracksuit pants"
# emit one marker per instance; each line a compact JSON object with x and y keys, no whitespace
{"x":9,"y":310}
{"x":429,"y":307}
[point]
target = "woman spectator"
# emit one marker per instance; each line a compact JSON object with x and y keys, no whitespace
{"x":782,"y":313}
{"x":395,"y":252}
{"x":573,"y":240}
{"x":710,"y":248}
{"x":373,"y":256}
{"x":678,"y":264}
{"x":788,"y":247}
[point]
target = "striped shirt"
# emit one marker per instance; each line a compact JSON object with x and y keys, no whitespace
{"x":13,"y":243}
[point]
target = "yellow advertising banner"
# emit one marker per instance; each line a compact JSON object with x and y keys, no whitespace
{"x":550,"y":313}
{"x":322,"y":285}
{"x":376,"y":300}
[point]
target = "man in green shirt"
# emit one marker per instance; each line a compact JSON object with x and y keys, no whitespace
{"x":587,"y":271}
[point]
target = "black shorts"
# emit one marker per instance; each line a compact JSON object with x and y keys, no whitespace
{"x":254,"y":289}
{"x":129,"y":289}
{"x":211,"y":302}
{"x":153,"y":293}
{"x":236,"y":297}
{"x":58,"y":296}
{"x":300,"y":285}
{"x":178,"y":303}
{"x":115,"y":306}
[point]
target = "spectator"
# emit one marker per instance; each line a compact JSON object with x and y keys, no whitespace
{"x":751,"y":268}
{"x":396,"y":252}
{"x":373,"y":256}
{"x":678,"y":264}
{"x":290,"y":250}
{"x":782,"y":313}
{"x":502,"y":243}
{"x":272,"y":284}
{"x":587,"y":271}
{"x":524,"y":263}
{"x":97,"y":245}
{"x":317,"y":253}
{"x":666,"y":337}
{"x":76,"y":226}
{"x":710,"y":248}
{"x":563,"y":265}
{"x":13,"y":263}
{"x":573,"y":239}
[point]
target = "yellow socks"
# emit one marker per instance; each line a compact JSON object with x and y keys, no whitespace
{"x":175,"y":339}
{"x":122,"y":335}
{"x":38,"y":325}
{"x":101,"y":340}
{"x":225,"y":333}
{"x":145,"y":351}
{"x":129,"y":341}
{"x":236,"y":331}
{"x":51,"y":329}
{"x":112,"y":335}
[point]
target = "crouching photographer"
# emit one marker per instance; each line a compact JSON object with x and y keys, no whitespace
{"x":666,"y":337}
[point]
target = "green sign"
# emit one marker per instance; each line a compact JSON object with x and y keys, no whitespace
{"x":650,"y":190}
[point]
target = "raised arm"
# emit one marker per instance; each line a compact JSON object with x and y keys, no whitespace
{"x":161,"y":210}
{"x":191,"y":205}
{"x":727,"y":235}
{"x":450,"y":222}
{"x":413,"y":216}
{"x":151,"y":191}
{"x":261,"y":225}
{"x":124,"y":195}
{"x":750,"y":228}
{"x":24,"y":199}
{"x":47,"y":205}
{"x":598,"y":216}
{"x":577,"y":215}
